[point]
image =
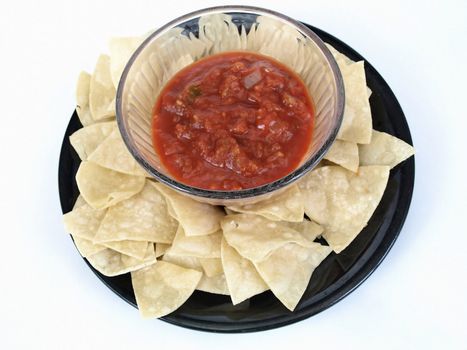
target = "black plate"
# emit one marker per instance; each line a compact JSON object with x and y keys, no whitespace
{"x":335,"y":278}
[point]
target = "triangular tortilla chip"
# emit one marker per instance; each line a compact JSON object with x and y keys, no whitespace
{"x":189,"y":262}
{"x":82,"y":99}
{"x":265,"y":29}
{"x":242,"y":278}
{"x":357,"y":123}
{"x":282,"y":43}
{"x":83,"y":221}
{"x":287,"y":206}
{"x":80,"y":201}
{"x":78,"y":222}
{"x":86,"y":247}
{"x":196,"y":218}
{"x":113,"y":154}
{"x":135,"y":249}
{"x":218,"y":31}
{"x":197,"y":48}
{"x":103,"y":187}
{"x":143,"y":217}
{"x":342,"y":201}
{"x":384,"y":149}
{"x":287,"y":271}
{"x":243,"y":38}
{"x":340,"y":58}
{"x":102,"y":91}
{"x":211,"y":266}
{"x":207,"y":246}
{"x":255,"y":237}
{"x":251,"y":42}
{"x":111,"y":263}
{"x":344,"y":153}
{"x":86,"y":140}
{"x":161,"y":248}
{"x":121,"y":50}
{"x":215,"y":284}
{"x":309,"y":229}
{"x":162,"y":288}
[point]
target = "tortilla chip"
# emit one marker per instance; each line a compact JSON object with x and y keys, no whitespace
{"x":113,"y":154}
{"x":384,"y":149}
{"x":196,"y":218}
{"x":207,"y":246}
{"x":287,"y":206}
{"x":251,"y":42}
{"x":340,"y":58}
{"x":243,"y":38}
{"x":265,"y":30}
{"x":82,"y":99}
{"x":103,"y":187}
{"x":121,"y":50}
{"x":274,"y":38}
{"x":342,"y":201}
{"x":170,"y":57}
{"x":111,"y":263}
{"x":282,"y":44}
{"x":86,"y":140}
{"x":198,"y":48}
{"x":162,"y":288}
{"x":230,"y":211}
{"x":83,"y":221}
{"x":309,"y":229}
{"x":134,"y":249}
{"x":211,"y":266}
{"x":86,"y":247}
{"x":178,"y":65}
{"x":218,"y":31}
{"x":357,"y":123}
{"x":242,"y":278}
{"x":80,"y":201}
{"x":255,"y":237}
{"x":345,"y":154}
{"x":161,"y":248}
{"x":102,"y":91}
{"x":287,"y":271}
{"x":215,"y":284}
{"x":189,"y":262}
{"x":143,"y":217}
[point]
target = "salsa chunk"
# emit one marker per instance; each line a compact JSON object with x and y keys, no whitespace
{"x":232,"y":121}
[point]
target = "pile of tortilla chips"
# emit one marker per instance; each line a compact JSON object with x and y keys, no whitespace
{"x":124,"y":221}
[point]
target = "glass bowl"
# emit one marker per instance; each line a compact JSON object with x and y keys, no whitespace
{"x":202,"y":33}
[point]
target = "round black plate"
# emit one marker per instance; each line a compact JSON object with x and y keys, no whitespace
{"x":336,"y":277}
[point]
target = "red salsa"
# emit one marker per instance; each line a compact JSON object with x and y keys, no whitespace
{"x":232,"y":121}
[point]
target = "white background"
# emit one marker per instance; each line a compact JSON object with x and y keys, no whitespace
{"x":50,"y":299}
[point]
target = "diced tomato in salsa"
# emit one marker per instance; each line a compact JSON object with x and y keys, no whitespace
{"x":232,"y":121}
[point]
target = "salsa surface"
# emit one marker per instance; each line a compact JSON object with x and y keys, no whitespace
{"x":232,"y":121}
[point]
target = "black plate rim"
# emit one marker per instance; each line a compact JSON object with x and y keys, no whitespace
{"x":364,"y":271}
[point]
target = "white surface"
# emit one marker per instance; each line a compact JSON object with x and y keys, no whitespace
{"x":50,"y":299}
